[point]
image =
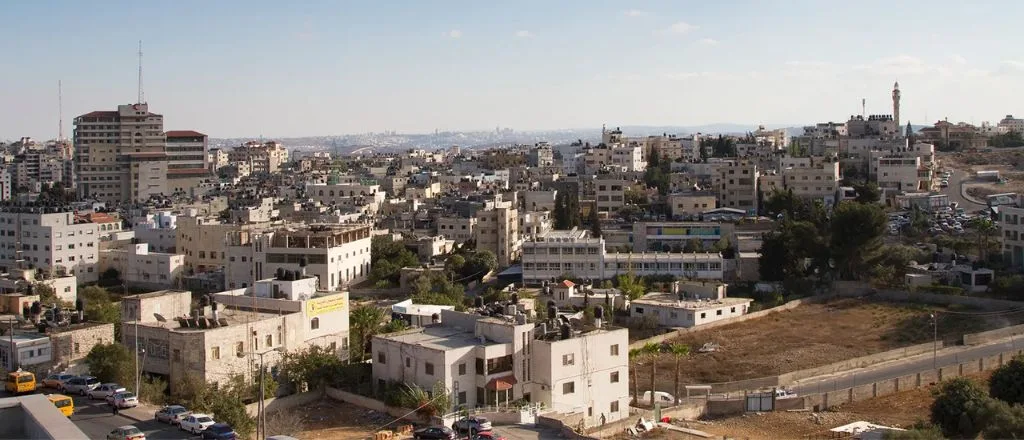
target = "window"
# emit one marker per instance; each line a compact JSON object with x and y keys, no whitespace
{"x":270,"y":341}
{"x":314,"y":324}
{"x":703,"y":315}
{"x":78,"y":349}
{"x":480,"y":366}
{"x":428,"y":368}
{"x":215,"y":353}
{"x":177,"y":355}
{"x":569,"y":359}
{"x":614,"y":377}
{"x":732,"y":310}
{"x":639,"y":310}
{"x":381,"y":358}
{"x":408,"y":362}
{"x":462,"y":369}
{"x":614,"y":407}
{"x":718,"y":312}
{"x":614,"y":350}
{"x":239,"y":349}
{"x":568,"y":387}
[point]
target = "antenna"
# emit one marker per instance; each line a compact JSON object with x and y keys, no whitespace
{"x":863,"y":107}
{"x":142,"y":95}
{"x":60,"y":111}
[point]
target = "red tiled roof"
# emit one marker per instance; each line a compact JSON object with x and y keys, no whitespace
{"x":100,"y":217}
{"x":100,"y":114}
{"x":184,"y":133}
{"x":568,"y":283}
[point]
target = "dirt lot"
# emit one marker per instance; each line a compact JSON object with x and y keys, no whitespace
{"x":329,"y":419}
{"x":809,"y":336}
{"x":1010,"y":165}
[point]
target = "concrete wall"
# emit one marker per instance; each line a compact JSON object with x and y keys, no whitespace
{"x":854,"y":289}
{"x":370,"y":403}
{"x":860,"y":362}
{"x":993,"y":335}
{"x":275,"y":404}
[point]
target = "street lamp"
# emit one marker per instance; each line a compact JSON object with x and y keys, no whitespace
{"x":261,"y":420}
{"x":935,"y":340}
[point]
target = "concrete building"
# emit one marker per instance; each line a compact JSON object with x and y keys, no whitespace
{"x":216,"y":342}
{"x":497,"y":231}
{"x":532,"y":224}
{"x":336,"y":255}
{"x":217,"y":158}
{"x":186,"y":161}
{"x":120,"y":156}
{"x":48,"y":239}
{"x":541,"y":155}
{"x":1011,"y":232}
{"x":811,"y":178}
{"x":540,"y":200}
{"x":496,"y":360}
{"x":896,"y":174}
{"x":159,"y":230}
{"x":691,"y":305}
{"x":29,"y":351}
{"x":138,"y":267}
{"x":18,"y":280}
{"x":674,"y":236}
{"x":203,"y":240}
{"x":737,"y":185}
{"x":34,"y":416}
{"x":610,"y":193}
{"x":5,"y":184}
{"x":265,"y":158}
{"x":1009,"y":123}
{"x":418,"y":315}
{"x":460,"y":229}
{"x":366,"y":197}
{"x":691,"y":203}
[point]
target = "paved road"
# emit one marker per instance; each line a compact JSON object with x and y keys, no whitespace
{"x":892,"y":370}
{"x":955,"y":191}
{"x":96,"y":420}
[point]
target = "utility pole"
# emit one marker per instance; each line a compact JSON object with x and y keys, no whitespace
{"x":261,"y":419}
{"x":935,"y":340}
{"x":137,"y":375}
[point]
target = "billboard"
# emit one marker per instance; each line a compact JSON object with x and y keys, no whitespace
{"x":319,"y":306}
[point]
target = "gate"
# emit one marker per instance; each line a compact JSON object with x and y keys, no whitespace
{"x":760,"y":402}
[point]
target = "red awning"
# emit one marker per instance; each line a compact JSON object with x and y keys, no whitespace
{"x":501,"y":383}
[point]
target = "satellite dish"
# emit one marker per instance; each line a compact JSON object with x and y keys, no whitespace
{"x":159,"y":317}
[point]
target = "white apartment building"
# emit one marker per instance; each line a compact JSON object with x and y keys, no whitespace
{"x":216,"y":158}
{"x":364,"y":197}
{"x":532,"y":224}
{"x":214,"y":343}
{"x":460,"y":229}
{"x":610,"y":193}
{"x":628,"y":158}
{"x":549,"y":257}
{"x":541,"y":155}
{"x":737,"y":185}
{"x":497,"y":230}
{"x":265,"y":158}
{"x":159,"y":230}
{"x":495,"y":360}
{"x":1011,"y":232}
{"x":812,"y":178}
{"x":5,"y":184}
{"x":138,"y":267}
{"x":691,"y":203}
{"x":337,"y":255}
{"x":48,"y":239}
{"x":540,"y":200}
{"x":120,"y":155}
{"x":895,"y":174}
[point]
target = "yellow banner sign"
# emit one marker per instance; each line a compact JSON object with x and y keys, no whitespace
{"x":320,"y":306}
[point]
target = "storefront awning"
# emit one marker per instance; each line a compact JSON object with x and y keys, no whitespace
{"x":501,"y":383}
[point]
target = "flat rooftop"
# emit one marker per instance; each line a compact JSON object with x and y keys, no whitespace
{"x":233,"y":317}
{"x":436,"y":338}
{"x":672,"y":300}
{"x":155,"y":294}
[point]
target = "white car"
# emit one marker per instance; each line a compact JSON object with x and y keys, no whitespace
{"x":196,"y":423}
{"x":123,"y":399}
{"x":105,"y":390}
{"x":126,"y":432}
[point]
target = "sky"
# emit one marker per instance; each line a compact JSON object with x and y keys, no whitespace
{"x":279,"y":69}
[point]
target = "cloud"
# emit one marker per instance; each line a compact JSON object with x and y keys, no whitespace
{"x":957,"y":59}
{"x":901,"y":65}
{"x":454,"y":33}
{"x":1011,"y":66}
{"x":524,"y":34}
{"x":635,"y":13}
{"x":708,"y":41}
{"x":680,"y":28}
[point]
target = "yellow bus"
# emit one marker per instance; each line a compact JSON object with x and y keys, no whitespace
{"x":20,"y":382}
{"x":65,"y":404}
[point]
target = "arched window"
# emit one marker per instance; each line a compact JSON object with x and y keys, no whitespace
{"x":321,"y":193}
{"x":314,"y":324}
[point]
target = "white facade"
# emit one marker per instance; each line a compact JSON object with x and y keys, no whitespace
{"x":737,"y":185}
{"x":49,"y":241}
{"x":158,"y":230}
{"x":139,"y":267}
{"x":337,"y":255}
{"x":1009,"y":123}
{"x":494,"y":360}
{"x":673,"y":310}
{"x":814,"y":178}
{"x":32,"y":349}
{"x":460,"y":229}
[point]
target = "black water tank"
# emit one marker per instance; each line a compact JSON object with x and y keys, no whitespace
{"x":551,"y":303}
{"x":435,"y":318}
{"x":552,"y":311}
{"x":599,"y":312}
{"x":280,"y":273}
{"x":566,"y":331}
{"x":304,"y":261}
{"x":515,"y":298}
{"x":478,"y":301}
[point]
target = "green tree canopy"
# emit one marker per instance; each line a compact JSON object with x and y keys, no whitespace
{"x":953,"y":399}
{"x":1007,"y":382}
{"x":857,"y":230}
{"x":867,"y":193}
{"x":111,"y":363}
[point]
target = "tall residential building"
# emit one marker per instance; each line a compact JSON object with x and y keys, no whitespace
{"x":497,"y":230}
{"x":186,"y":160}
{"x":541,"y":155}
{"x":1009,"y":123}
{"x":811,"y":178}
{"x":49,"y":239}
{"x":120,"y":156}
{"x":265,"y":158}
{"x":737,"y":185}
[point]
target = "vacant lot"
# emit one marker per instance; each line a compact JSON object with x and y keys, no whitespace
{"x":330,"y":419}
{"x":809,"y":336}
{"x":1009,"y":163}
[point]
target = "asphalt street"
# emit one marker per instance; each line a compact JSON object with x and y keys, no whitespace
{"x":955,"y":191}
{"x":96,"y":420}
{"x":891,"y":370}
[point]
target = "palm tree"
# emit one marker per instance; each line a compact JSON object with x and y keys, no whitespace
{"x":679,"y":351}
{"x":364,"y":322}
{"x":634,"y":359}
{"x":651,"y":351}
{"x":984,"y":228}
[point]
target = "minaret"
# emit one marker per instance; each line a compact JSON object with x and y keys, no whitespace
{"x":896,"y":103}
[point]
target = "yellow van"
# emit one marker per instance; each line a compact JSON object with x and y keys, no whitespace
{"x":20,"y":382}
{"x":65,"y":404}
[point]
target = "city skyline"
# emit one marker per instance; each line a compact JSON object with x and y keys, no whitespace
{"x":245,"y":69}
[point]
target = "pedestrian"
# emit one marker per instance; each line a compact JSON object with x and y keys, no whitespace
{"x":115,"y":409}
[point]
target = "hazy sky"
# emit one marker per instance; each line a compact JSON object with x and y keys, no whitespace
{"x":246,"y":68}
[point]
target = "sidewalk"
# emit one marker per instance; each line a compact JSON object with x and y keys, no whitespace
{"x":141,"y":413}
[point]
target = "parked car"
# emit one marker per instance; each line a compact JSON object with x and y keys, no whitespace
{"x":172,"y":414}
{"x":488,"y":435}
{"x":196,"y":423}
{"x":659,"y":397}
{"x":80,"y":385}
{"x":471,"y":425}
{"x":56,"y":380}
{"x":123,"y":399}
{"x":105,"y":390}
{"x":126,"y":432}
{"x":219,"y":431}
{"x":434,"y":432}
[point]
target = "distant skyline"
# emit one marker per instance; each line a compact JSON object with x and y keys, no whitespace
{"x":244,"y":69}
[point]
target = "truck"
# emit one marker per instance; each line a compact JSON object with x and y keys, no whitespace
{"x":987,"y":175}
